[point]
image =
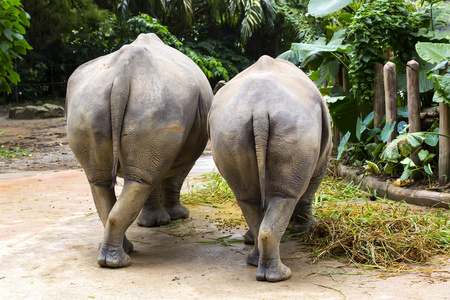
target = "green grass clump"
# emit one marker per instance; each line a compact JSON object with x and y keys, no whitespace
{"x":6,"y":152}
{"x":214,"y":192}
{"x":11,"y":152}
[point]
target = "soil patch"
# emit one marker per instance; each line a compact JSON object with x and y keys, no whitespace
{"x":35,"y":145}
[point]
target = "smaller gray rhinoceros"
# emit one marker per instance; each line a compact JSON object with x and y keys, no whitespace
{"x":271,"y":141}
{"x":140,"y":112}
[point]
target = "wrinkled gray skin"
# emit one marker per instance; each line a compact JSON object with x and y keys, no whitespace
{"x":140,"y":112}
{"x":270,"y":137}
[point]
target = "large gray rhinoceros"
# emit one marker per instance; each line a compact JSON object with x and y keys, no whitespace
{"x":140,"y":112}
{"x":270,"y":138}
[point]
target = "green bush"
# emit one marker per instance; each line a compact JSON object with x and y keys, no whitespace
{"x":12,"y":43}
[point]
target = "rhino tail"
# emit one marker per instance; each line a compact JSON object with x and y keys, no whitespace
{"x":261,"y":134}
{"x":119,"y":98}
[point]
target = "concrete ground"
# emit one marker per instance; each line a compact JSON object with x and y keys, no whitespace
{"x":50,"y":232}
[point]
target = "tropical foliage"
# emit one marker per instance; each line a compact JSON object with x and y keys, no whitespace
{"x":379,"y":27}
{"x":336,"y":42}
{"x":222,"y":37}
{"x":358,"y":35}
{"x":13,"y":20}
{"x":438,"y":53}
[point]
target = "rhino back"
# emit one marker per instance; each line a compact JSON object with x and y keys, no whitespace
{"x":160,"y":93}
{"x":271,"y":87}
{"x":159,"y":78}
{"x":294,"y":109}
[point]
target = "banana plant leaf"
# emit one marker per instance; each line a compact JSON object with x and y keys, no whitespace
{"x":433,"y":52}
{"x":321,"y":8}
{"x":345,"y":111}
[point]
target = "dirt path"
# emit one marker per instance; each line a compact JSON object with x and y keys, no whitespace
{"x":50,"y":231}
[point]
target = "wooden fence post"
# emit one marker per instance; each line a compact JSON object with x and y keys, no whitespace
{"x":343,"y":80}
{"x":345,"y":83}
{"x":444,"y":142}
{"x":378,"y":95}
{"x":412,"y":75}
{"x":390,"y":94}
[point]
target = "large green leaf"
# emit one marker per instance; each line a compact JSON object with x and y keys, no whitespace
{"x":425,"y":83}
{"x":433,"y":52}
{"x":442,"y":89}
{"x":432,"y":139}
{"x":345,"y":110}
{"x":343,"y":145}
{"x":321,"y":8}
{"x":315,"y":47}
{"x":294,"y":57}
{"x":329,"y":70}
{"x":312,"y":55}
{"x":406,"y":172}
{"x":320,"y":44}
{"x":313,"y":60}
{"x":337,"y":39}
{"x":358,"y":128}
{"x":391,"y":153}
{"x":428,"y":169}
{"x":388,"y":129}
{"x":444,"y":83}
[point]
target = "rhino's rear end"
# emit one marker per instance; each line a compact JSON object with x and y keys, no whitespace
{"x":269,"y":132}
{"x":137,"y":110}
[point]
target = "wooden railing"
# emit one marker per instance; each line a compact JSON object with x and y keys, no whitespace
{"x":386,"y":103}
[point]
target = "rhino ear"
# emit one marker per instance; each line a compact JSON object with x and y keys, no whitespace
{"x":218,"y":86}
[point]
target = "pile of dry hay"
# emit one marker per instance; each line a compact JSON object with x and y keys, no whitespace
{"x":378,"y":234}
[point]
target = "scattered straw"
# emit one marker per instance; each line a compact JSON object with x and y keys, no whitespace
{"x":379,"y":234}
{"x":374,"y":234}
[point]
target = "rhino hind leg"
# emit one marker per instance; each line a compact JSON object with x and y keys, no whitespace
{"x":164,"y":204}
{"x":113,"y":250}
{"x":270,"y":267}
{"x":303,"y":218}
{"x":153,"y":213}
{"x":251,"y":210}
{"x":171,"y":188}
{"x":273,"y":270}
{"x":104,"y":199}
{"x":127,"y":246}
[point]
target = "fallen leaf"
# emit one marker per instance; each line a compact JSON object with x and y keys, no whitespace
{"x":399,"y":183}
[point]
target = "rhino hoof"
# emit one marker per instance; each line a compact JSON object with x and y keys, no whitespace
{"x":113,"y":257}
{"x":303,"y":225}
{"x":153,"y":219}
{"x":178,"y":212}
{"x":248,"y":238}
{"x":272,"y":271}
{"x":127,"y":246}
{"x":253,"y":258}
